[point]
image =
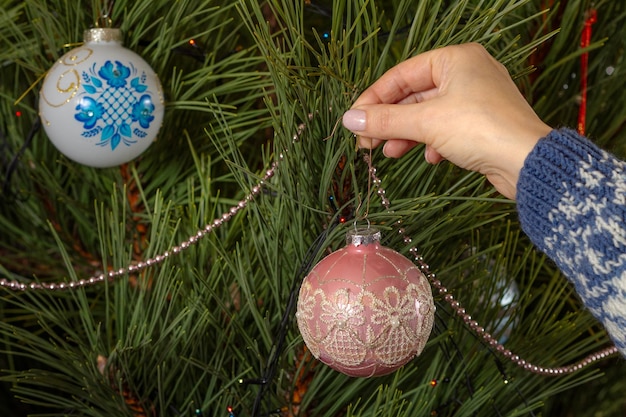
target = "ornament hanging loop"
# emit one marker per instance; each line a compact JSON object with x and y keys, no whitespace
{"x":370,"y":171}
{"x":358,"y":228}
{"x":104,"y":15}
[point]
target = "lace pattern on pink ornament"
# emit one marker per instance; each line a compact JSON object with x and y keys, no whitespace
{"x":467,"y":319}
{"x":255,"y":191}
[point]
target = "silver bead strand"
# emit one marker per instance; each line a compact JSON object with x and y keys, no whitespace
{"x":15,"y":285}
{"x":458,"y":309}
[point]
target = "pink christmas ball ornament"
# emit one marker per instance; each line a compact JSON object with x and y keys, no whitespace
{"x":365,"y":310}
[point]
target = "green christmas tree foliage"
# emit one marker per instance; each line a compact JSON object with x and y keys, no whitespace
{"x":255,"y":86}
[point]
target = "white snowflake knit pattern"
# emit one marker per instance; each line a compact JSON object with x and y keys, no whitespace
{"x":572,"y":204}
{"x":591,"y":240}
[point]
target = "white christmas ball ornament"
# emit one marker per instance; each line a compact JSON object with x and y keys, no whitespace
{"x":101,"y":104}
{"x":365,"y":310}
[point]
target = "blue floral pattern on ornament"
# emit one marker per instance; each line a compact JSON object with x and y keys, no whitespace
{"x":112,"y":107}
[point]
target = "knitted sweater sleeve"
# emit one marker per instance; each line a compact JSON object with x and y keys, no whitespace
{"x":571,"y":199}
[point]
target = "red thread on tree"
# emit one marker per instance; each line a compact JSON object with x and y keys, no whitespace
{"x":585,"y":40}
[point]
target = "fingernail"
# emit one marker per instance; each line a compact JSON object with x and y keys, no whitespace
{"x":427,"y":155}
{"x":385,"y":149}
{"x":354,"y":120}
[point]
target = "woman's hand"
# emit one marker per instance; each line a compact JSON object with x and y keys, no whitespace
{"x":461,"y":103}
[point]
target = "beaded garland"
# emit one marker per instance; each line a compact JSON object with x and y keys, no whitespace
{"x":458,"y":309}
{"x":473,"y":324}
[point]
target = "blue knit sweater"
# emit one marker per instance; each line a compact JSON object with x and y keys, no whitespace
{"x":571,"y":199}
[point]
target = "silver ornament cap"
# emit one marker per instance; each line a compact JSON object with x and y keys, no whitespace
{"x":363,"y":236}
{"x":102,"y":35}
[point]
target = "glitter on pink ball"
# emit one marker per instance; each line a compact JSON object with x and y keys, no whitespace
{"x":365,"y":310}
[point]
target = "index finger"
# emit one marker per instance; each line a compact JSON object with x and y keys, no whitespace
{"x":410,"y":77}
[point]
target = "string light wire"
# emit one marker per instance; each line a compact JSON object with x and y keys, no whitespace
{"x":270,"y":370}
